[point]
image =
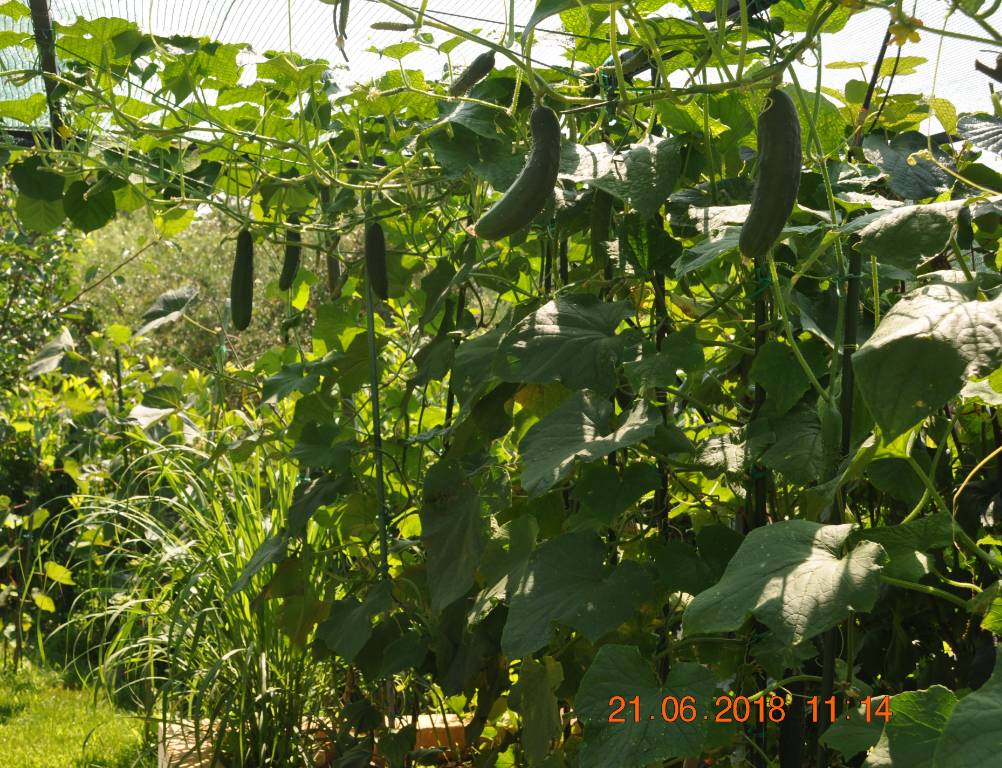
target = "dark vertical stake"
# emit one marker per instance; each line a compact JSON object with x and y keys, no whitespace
{"x":830,"y":640}
{"x":46,"y":43}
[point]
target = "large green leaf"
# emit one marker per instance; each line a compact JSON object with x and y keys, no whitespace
{"x":913,"y":730}
{"x":905,"y":544}
{"x":533,"y":698}
{"x":902,"y":237}
{"x":570,"y":339}
{"x":88,"y":206}
{"x":580,"y":429}
{"x":776,"y":369}
{"x":795,"y":578}
{"x":923,"y":351}
{"x":619,"y":670}
{"x":349,"y":624}
{"x":168,"y":307}
{"x":452,"y":532}
{"x":566,"y":581}
{"x":972,"y":734}
{"x":911,"y":180}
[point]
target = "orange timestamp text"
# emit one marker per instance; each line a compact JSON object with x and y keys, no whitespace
{"x":743,"y":709}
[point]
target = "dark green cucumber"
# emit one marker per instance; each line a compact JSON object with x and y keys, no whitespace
{"x":601,"y":222}
{"x":293,"y":253}
{"x":479,"y":68}
{"x":375,"y":260}
{"x":242,"y":281}
{"x":392,"y":26}
{"x":528,"y":195}
{"x":779,"y":163}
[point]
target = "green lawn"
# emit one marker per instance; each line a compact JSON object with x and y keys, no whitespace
{"x":44,"y":724}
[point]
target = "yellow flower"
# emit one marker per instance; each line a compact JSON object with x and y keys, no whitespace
{"x":905,"y":30}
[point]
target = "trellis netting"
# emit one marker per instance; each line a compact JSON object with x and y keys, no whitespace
{"x":933,"y":65}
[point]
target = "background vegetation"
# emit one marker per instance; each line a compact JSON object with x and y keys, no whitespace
{"x":609,"y":455}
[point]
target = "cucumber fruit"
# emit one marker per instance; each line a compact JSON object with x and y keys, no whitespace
{"x":529,"y":193}
{"x":779,"y":163}
{"x":479,"y":68}
{"x":601,"y":224}
{"x":375,"y":260}
{"x":242,"y":281}
{"x":293,"y":253}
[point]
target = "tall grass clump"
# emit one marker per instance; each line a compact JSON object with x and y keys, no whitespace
{"x":161,"y":622}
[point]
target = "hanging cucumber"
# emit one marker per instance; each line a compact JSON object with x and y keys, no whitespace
{"x":528,"y":195}
{"x":779,"y":163}
{"x":375,"y":260}
{"x":242,"y":281}
{"x":479,"y":68}
{"x":293,"y":253}
{"x":601,"y":223}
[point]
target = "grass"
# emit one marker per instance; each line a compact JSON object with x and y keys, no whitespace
{"x":45,"y":724}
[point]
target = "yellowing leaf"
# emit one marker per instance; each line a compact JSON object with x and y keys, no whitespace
{"x":44,"y":602}
{"x":58,"y":573}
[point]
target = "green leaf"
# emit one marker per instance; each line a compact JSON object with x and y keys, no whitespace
{"x":652,"y":170}
{"x":855,"y":733}
{"x":905,"y":543}
{"x":322,"y":446}
{"x":14,"y":10}
{"x":51,"y":355}
{"x":566,"y":581}
{"x":915,"y":181}
{"x":533,"y":698}
{"x":570,"y":339}
{"x":913,"y":730}
{"x":26,"y":110}
{"x":89,"y":207}
{"x":922,"y":352}
{"x":797,"y":452}
{"x":34,"y":180}
{"x":168,"y":308}
{"x":452,"y":531}
{"x":776,"y":369}
{"x":270,"y":552}
{"x":40,"y":215}
{"x":681,"y":569}
{"x":349,"y":626}
{"x":971,"y":736}
{"x":983,"y":131}
{"x":619,"y":670}
{"x":580,"y":429}
{"x":44,"y":602}
{"x":793,"y":577}
{"x":902,"y":237}
{"x":546,"y":8}
{"x":58,"y":573}
{"x":311,"y":495}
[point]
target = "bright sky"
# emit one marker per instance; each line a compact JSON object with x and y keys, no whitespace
{"x":265,"y":24}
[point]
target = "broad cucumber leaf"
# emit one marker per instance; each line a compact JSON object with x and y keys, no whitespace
{"x":567,"y":581}
{"x":533,"y":698}
{"x":349,"y":624}
{"x":913,"y":730}
{"x":972,"y":734}
{"x":619,"y":670}
{"x":923,"y":351}
{"x":452,"y":532}
{"x":905,"y":544}
{"x":795,"y":578}
{"x":902,"y":237}
{"x":571,"y":339}
{"x":580,"y":429}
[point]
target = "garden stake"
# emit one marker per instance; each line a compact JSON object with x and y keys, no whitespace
{"x":377,"y":434}
{"x":830,"y":639}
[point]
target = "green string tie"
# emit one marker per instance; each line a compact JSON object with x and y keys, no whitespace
{"x":762,"y":282}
